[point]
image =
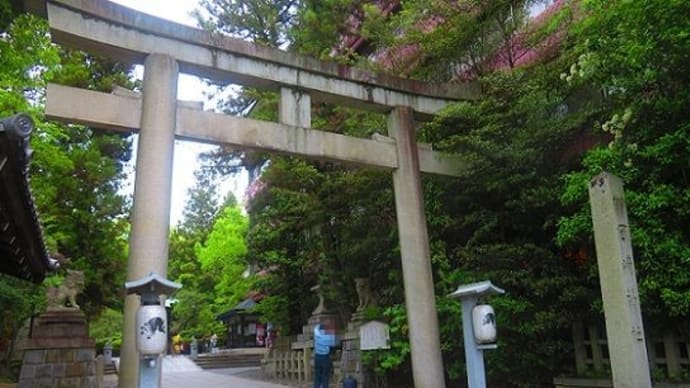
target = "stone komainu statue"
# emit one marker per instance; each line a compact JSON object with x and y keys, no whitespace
{"x":367,"y":298}
{"x":64,"y":296}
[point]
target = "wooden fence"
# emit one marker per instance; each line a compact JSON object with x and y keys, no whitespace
{"x":289,"y":359}
{"x":667,"y":353}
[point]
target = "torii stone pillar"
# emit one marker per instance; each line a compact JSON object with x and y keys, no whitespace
{"x":148,"y":250}
{"x":624,"y":328}
{"x":420,"y":300}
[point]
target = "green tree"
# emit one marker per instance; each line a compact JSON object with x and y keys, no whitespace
{"x":278,"y":240}
{"x":220,"y":257}
{"x":266,"y":22}
{"x":223,"y":254}
{"x":77,"y":175}
{"x":207,"y":257}
{"x":632,"y":52}
{"x":19,"y":299}
{"x":107,"y":329}
{"x":199,"y":215}
{"x":519,"y":215}
{"x":75,"y":172}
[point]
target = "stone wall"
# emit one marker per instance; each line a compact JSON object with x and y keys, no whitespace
{"x":59,"y":354}
{"x":58,"y":368}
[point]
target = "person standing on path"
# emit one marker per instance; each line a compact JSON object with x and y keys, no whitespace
{"x":214,"y":343}
{"x":324,"y":340}
{"x":177,"y":344}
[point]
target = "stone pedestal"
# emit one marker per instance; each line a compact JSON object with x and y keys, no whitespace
{"x":308,"y":329}
{"x":356,"y":321}
{"x":358,"y":338}
{"x":351,"y":358}
{"x":59,"y":353}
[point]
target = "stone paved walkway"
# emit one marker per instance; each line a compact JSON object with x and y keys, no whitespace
{"x":180,"y":372}
{"x":212,"y":379}
{"x":204,"y":379}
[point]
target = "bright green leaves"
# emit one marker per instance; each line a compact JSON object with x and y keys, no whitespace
{"x":266,"y":22}
{"x":27,"y":59}
{"x":223,"y":254}
{"x":208,"y":257}
{"x":320,"y":24}
{"x":639,"y":63}
{"x":75,"y":173}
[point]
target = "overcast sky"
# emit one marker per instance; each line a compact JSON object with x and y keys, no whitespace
{"x":189,"y":88}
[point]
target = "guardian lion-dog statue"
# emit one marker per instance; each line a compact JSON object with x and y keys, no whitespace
{"x":366,"y":296}
{"x":64,"y":296}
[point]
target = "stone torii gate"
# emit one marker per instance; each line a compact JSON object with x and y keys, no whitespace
{"x":167,"y":48}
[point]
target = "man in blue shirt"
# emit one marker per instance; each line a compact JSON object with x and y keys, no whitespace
{"x":324,"y":340}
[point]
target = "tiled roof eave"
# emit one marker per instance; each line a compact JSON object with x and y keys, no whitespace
{"x":22,"y":250}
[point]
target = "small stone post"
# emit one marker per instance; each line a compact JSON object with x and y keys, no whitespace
{"x":108,"y":354}
{"x":624,"y":329}
{"x":194,"y":348}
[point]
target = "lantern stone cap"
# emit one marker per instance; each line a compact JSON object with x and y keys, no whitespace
{"x":484,"y":288}
{"x":152,"y":284}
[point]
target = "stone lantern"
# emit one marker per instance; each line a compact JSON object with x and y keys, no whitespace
{"x":478,"y":327}
{"x":151,"y":324}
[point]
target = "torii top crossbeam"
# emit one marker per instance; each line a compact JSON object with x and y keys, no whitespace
{"x":121,"y":33}
{"x":118,"y":32}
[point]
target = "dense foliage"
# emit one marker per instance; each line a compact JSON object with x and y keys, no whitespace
{"x":605,"y":89}
{"x":633,"y":53}
{"x":75,"y":173}
{"x":207,"y":256}
{"x":520,"y":214}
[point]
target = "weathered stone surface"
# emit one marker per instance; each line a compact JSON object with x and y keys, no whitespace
{"x":122,"y":114}
{"x":74,"y":382}
{"x":129,"y":36}
{"x":61,"y":373}
{"x":624,"y":326}
{"x":365,"y":294}
{"x":85,"y":354}
{"x":62,"y":342}
{"x":104,"y":28}
{"x":56,"y":330}
{"x":151,"y":210}
{"x":74,"y":369}
{"x":34,"y":356}
{"x":53,"y":355}
{"x":422,"y":318}
{"x":64,"y":296}
{"x":27,"y":372}
{"x":90,"y":367}
{"x":62,"y":316}
{"x":60,"y":324}
{"x":44,"y":371}
{"x":350,"y":360}
{"x":89,"y":382}
{"x":59,"y":370}
{"x":68,"y":355}
{"x":25,"y":383}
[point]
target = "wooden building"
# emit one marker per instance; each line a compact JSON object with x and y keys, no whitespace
{"x":22,"y":250}
{"x":244,"y":329}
